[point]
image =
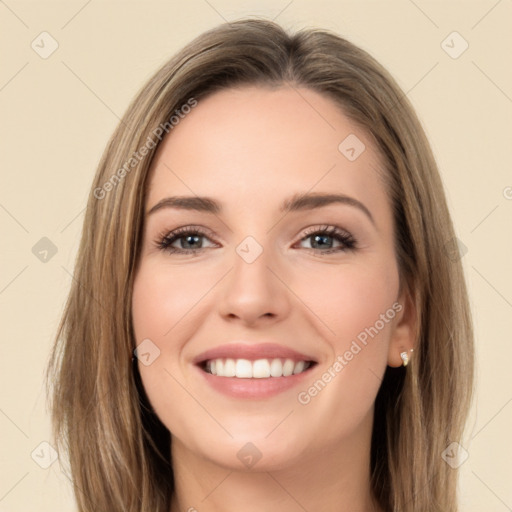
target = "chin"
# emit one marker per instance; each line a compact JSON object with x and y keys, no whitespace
{"x":253,"y":456}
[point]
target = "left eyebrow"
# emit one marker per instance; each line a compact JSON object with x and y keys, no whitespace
{"x":301,"y":202}
{"x":298,"y":202}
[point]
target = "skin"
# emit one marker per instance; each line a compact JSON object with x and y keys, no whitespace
{"x":239,"y":146}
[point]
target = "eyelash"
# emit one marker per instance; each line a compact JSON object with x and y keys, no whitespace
{"x":166,"y":239}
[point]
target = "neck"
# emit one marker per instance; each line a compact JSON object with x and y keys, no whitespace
{"x":337,"y":479}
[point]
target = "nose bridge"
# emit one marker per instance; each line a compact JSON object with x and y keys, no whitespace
{"x":252,"y":290}
{"x":251,"y":267}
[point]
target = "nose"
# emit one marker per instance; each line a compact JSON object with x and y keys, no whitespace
{"x":254,"y":292}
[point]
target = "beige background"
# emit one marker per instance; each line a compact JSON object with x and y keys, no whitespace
{"x":58,"y":112}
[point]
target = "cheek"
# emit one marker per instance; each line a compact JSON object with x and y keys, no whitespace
{"x":348,"y":299}
{"x":168,"y":306}
{"x":357,"y":307}
{"x":163,"y":311}
{"x":162,"y":297}
{"x":354,"y":306}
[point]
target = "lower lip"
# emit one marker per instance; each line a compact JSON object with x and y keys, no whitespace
{"x":253,"y":388}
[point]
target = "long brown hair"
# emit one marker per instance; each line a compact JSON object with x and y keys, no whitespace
{"x":118,"y":449}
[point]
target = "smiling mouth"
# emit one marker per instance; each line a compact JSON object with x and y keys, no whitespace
{"x":257,"y":369}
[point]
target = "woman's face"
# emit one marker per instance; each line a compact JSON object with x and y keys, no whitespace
{"x":289,"y":262}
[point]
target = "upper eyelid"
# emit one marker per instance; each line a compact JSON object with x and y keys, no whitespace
{"x":183,"y":230}
{"x":206,"y":231}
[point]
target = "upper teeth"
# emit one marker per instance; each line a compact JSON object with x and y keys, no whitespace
{"x":259,"y":369}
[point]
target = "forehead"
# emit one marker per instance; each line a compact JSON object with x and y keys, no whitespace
{"x":252,"y":143}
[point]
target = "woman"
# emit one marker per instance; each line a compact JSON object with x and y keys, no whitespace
{"x":267,"y":310}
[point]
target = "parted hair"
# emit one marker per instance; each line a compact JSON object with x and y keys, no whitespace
{"x":117,"y":448}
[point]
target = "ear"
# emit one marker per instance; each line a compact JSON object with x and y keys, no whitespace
{"x":405,"y":328}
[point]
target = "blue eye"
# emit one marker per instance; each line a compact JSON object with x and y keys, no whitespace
{"x":324,"y":239}
{"x":190,"y":240}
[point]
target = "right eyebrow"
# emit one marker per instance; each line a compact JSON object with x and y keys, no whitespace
{"x":200,"y":204}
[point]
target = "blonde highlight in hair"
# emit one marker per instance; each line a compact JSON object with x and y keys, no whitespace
{"x":118,"y":449}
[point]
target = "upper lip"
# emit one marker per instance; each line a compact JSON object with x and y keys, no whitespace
{"x":252,"y":352}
